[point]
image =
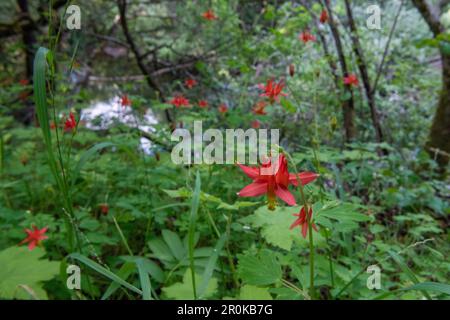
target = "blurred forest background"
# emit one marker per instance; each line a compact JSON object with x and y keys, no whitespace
{"x":366,"y":108}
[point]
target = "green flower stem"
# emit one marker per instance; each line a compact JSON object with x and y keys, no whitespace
{"x":311,"y":241}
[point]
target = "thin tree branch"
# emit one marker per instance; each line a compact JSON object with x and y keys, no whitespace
{"x":386,"y":49}
{"x":361,"y":63}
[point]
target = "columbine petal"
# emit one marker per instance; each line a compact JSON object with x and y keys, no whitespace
{"x":251,"y":172}
{"x":253,"y":189}
{"x":305,"y":178}
{"x":285,"y":195}
{"x":304,"y":230}
{"x":295,"y":223}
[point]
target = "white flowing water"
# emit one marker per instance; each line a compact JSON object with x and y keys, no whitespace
{"x":102,"y":114}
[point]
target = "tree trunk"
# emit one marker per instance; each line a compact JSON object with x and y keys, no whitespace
{"x":438,"y":144}
{"x":348,"y":107}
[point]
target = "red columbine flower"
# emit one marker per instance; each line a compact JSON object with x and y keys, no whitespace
{"x":203,"y":104}
{"x":223,"y":108}
{"x":179,"y":101}
{"x":24,"y":82}
{"x":302,"y":221}
{"x":273,"y":182}
{"x":190,"y":83}
{"x":259,"y":108}
{"x":324,"y":16}
{"x":52,"y":125}
{"x":256,"y":124}
{"x":125,"y":101}
{"x":351,"y":80}
{"x":306,"y":37}
{"x":104,"y":208}
{"x":272,"y":90}
{"x":209,"y":15}
{"x":34,"y":237}
{"x":70,"y":123}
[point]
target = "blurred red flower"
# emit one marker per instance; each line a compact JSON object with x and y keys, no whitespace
{"x":256,"y":124}
{"x":306,"y":37}
{"x":104,"y":208}
{"x":302,"y":221}
{"x":24,"y":82}
{"x":203,"y":104}
{"x":324,"y":16}
{"x":179,"y":101}
{"x":190,"y":83}
{"x":34,"y":237}
{"x":223,"y":108}
{"x":275,"y":184}
{"x":272,"y":90}
{"x":259,"y":108}
{"x":125,"y":101}
{"x":209,"y":15}
{"x":351,"y":80}
{"x":70,"y":123}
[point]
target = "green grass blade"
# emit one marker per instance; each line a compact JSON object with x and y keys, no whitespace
{"x":193,"y":218}
{"x":409,"y":273}
{"x":40,"y":97}
{"x":108,"y":274}
{"x":207,"y":274}
{"x":124,"y":272}
{"x":144,"y":279}
{"x":430,"y":286}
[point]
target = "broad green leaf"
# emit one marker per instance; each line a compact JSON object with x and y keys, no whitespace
{"x":184,"y":290}
{"x":275,"y":227}
{"x":260,"y":270}
{"x":22,"y":269}
{"x":249,"y":292}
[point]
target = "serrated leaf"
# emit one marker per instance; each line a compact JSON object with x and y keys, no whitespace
{"x":260,"y":270}
{"x":249,"y":292}
{"x":184,"y":291}
{"x":275,"y":226}
{"x":21,"y":267}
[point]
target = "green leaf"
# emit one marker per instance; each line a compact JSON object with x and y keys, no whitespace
{"x":161,"y":250}
{"x":431,"y":286}
{"x":249,"y":292}
{"x":260,"y":270}
{"x":174,"y":243}
{"x":286,"y":104}
{"x":184,"y":290}
{"x":21,"y":268}
{"x":207,"y":274}
{"x":87,"y":156}
{"x":124,"y":272}
{"x":409,"y":273}
{"x":103,"y":271}
{"x":144,"y":279}
{"x":275,"y":227}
